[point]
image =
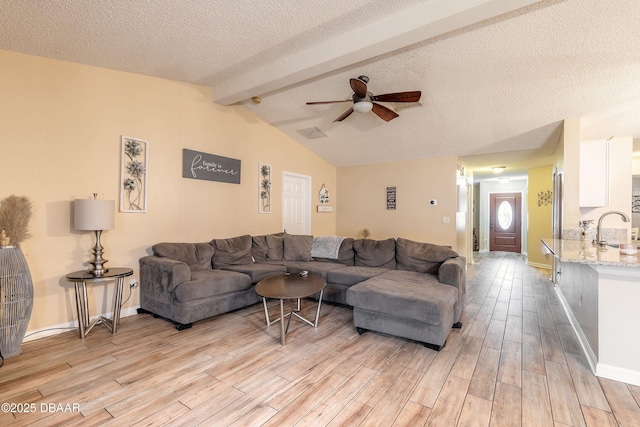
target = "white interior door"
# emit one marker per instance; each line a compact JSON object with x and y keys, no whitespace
{"x":296,"y":203}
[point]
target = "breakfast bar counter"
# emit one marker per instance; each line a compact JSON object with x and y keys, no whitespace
{"x":599,"y":288}
{"x":585,"y":252}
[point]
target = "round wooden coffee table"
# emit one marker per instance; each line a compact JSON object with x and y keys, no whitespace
{"x":290,"y":286}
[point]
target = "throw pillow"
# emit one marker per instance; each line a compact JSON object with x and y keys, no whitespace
{"x":297,"y":247}
{"x":233,"y":251}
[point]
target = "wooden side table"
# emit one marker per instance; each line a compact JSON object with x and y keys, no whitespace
{"x":80,"y":279}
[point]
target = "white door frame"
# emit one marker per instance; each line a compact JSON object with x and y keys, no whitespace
{"x":307,"y":202}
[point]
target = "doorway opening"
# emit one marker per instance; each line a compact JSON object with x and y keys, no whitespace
{"x":505,"y":222}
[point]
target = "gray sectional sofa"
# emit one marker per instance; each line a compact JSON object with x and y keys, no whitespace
{"x":396,"y":286}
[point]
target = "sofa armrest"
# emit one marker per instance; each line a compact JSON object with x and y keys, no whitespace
{"x":163,"y":273}
{"x":453,"y":272}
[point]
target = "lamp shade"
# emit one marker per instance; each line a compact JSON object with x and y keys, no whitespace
{"x":93,"y":214}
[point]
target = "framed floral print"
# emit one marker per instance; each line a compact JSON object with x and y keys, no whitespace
{"x":264,"y":188}
{"x":134,"y":157}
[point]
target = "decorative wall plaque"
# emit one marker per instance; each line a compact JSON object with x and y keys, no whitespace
{"x":391,"y":198}
{"x":198,"y":165}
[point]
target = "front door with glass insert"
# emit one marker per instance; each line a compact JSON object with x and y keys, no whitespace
{"x":504,"y":222}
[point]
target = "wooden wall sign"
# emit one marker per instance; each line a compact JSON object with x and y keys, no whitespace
{"x":198,"y":165}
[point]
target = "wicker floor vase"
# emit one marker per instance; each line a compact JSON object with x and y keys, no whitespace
{"x":16,"y":299}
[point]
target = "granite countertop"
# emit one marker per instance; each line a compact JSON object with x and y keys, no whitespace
{"x":585,"y":252}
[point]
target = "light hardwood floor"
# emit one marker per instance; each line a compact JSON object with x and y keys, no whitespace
{"x":515,"y":362}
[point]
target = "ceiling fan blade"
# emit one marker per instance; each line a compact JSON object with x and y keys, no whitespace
{"x":413,"y":96}
{"x":344,"y":115}
{"x":384,"y":113}
{"x":329,"y":102}
{"x":359,"y":87}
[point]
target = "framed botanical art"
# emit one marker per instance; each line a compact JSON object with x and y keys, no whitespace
{"x":134,"y":157}
{"x":264,"y":188}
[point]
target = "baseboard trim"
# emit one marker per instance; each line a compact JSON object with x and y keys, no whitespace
{"x":538,"y":265}
{"x":64,"y":327}
{"x":618,"y":374}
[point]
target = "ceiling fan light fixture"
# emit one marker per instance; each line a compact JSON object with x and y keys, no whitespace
{"x":363,"y":106}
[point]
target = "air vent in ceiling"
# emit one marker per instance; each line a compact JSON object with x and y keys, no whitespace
{"x":312,"y":133}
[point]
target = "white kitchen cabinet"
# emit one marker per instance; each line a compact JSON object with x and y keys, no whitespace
{"x":594,"y":174}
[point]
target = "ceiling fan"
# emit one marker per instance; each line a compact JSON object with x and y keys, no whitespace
{"x":363,"y":101}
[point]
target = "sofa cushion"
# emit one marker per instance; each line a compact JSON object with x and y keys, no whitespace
{"x":259,"y":248}
{"x":297,"y":247}
{"x":257,"y":271}
{"x":236,"y":250}
{"x":205,"y":284}
{"x":429,"y":302}
{"x":345,"y":253}
{"x":321,"y":268}
{"x":275,"y":247}
{"x":351,"y":275}
{"x":421,"y":257}
{"x":409,"y":276}
{"x":375,"y":253}
{"x":196,"y":255}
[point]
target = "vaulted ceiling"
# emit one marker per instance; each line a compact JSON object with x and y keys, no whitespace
{"x":497,"y":76}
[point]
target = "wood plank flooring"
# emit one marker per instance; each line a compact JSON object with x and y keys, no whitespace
{"x":515,"y":362}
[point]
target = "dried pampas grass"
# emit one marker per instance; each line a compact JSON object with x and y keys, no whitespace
{"x":15,"y":214}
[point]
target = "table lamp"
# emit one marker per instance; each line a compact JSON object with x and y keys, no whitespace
{"x":94,"y":215}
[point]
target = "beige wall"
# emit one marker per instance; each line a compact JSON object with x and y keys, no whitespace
{"x":538,"y":217}
{"x":60,"y":137}
{"x":362,"y":200}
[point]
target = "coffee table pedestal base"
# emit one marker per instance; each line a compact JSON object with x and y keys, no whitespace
{"x":284,"y":330}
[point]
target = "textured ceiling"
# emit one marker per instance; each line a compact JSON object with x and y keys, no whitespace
{"x":497,"y":76}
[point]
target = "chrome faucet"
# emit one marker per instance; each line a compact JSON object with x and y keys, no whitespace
{"x":599,"y":240}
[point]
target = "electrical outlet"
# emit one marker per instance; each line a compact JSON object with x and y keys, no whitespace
{"x":133,"y":283}
{"x":445,"y":219}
